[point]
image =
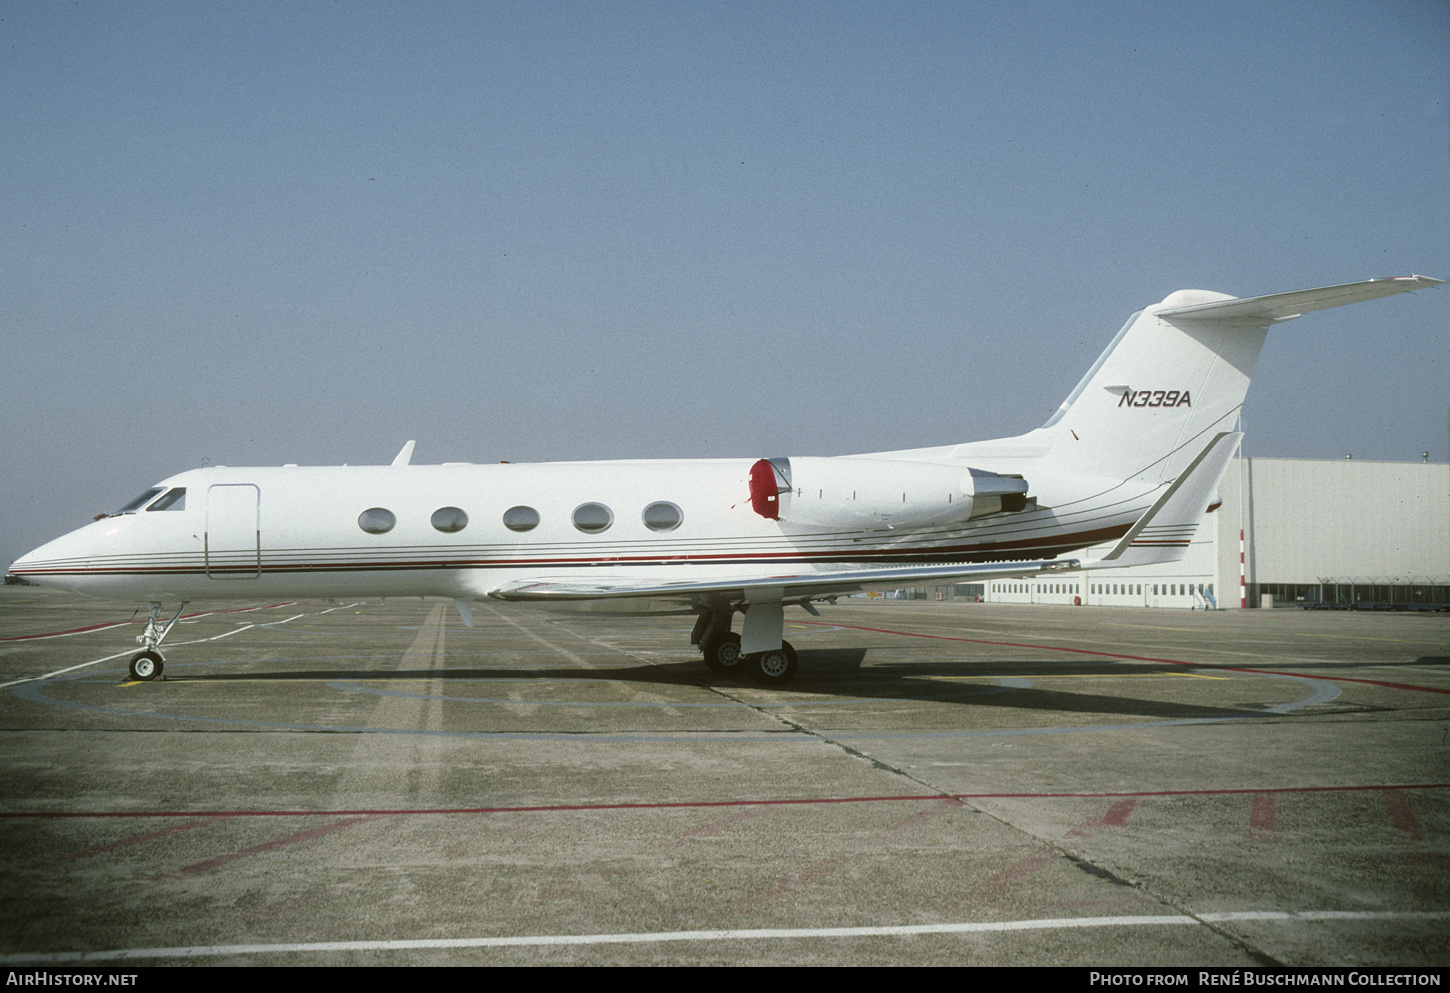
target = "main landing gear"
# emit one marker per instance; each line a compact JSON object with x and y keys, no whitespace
{"x":775,"y":667}
{"x":148,"y":663}
{"x":723,"y":654}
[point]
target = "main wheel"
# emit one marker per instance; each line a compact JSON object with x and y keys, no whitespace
{"x":774,"y":668}
{"x":722,"y":652}
{"x":146,"y":665}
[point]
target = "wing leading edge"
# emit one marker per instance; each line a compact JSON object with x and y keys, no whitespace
{"x":799,"y":588}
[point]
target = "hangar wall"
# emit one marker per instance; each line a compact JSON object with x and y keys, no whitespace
{"x":1317,"y":530}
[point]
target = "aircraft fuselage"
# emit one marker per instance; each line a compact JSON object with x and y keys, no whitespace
{"x":463,"y":530}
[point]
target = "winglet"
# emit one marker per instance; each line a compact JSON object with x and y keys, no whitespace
{"x":406,"y":455}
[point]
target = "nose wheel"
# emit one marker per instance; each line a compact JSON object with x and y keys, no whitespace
{"x":146,"y":665}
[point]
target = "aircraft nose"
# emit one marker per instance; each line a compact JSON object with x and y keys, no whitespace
{"x":54,"y":561}
{"x":32,"y":562}
{"x":29,"y":560}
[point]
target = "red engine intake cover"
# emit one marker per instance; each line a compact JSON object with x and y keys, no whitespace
{"x":765,"y":490}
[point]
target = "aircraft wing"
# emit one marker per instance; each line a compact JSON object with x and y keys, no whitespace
{"x":797,"y":588}
{"x":1283,"y":306}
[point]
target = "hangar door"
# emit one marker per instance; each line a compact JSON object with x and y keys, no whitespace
{"x":233,"y":538}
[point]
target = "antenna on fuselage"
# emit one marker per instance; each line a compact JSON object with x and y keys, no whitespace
{"x":406,"y":455}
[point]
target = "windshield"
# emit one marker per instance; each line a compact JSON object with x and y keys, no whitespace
{"x":174,"y":499}
{"x":137,"y":503}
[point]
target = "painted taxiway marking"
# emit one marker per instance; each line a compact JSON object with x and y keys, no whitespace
{"x":705,"y":804}
{"x":62,"y":672}
{"x":723,"y":934}
{"x":70,"y":633}
{"x":186,"y":619}
{"x":197,"y":641}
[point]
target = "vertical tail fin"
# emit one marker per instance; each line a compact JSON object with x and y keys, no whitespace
{"x":1176,"y":375}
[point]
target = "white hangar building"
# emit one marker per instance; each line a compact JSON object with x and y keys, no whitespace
{"x":1317,"y":531}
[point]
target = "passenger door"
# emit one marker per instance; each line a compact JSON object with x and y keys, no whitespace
{"x":233,"y":538}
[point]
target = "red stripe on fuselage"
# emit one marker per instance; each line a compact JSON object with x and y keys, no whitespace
{"x":1005,"y":551}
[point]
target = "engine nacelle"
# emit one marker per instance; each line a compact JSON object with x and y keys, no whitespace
{"x":870,"y":494}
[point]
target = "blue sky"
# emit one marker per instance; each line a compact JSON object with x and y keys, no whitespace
{"x":257,"y":233}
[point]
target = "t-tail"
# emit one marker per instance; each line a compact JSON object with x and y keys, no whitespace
{"x":1151,"y":428}
{"x":1176,"y":376}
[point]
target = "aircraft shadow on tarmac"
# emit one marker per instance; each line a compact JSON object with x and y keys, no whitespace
{"x":1319,"y":665}
{"x":837,"y":672}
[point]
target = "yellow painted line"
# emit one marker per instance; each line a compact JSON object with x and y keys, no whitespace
{"x":289,"y":679}
{"x":1293,"y":634}
{"x":1084,"y":675}
{"x":1355,"y":637}
{"x":1149,"y":627}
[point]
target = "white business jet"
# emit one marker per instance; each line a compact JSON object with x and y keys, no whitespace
{"x":1133,"y":456}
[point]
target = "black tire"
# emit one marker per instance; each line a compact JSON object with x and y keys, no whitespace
{"x":146,"y":665}
{"x":774,"y":668}
{"x":722,"y":652}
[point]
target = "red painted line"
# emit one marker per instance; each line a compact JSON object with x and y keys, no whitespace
{"x":1116,"y":816}
{"x":268,"y":846}
{"x":125,"y":843}
{"x":1131,"y":658}
{"x":827,"y":866}
{"x":220,"y":860}
{"x":1261,"y":817}
{"x":1403,"y":817}
{"x":705,"y":804}
{"x":718,"y":825}
{"x":57,"y":634}
{"x":1029,"y":866}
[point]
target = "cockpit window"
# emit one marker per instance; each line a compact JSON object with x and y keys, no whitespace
{"x":173,"y":500}
{"x":137,"y":503}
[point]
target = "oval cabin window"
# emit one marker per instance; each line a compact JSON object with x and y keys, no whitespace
{"x":662,"y":516}
{"x":449,"y":520}
{"x":591,"y":518}
{"x":521,"y":518}
{"x":376,"y":520}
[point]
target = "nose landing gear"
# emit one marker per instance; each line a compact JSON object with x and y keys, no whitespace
{"x":147,"y":664}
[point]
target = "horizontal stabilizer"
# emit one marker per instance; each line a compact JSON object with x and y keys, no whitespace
{"x":1282,"y":306}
